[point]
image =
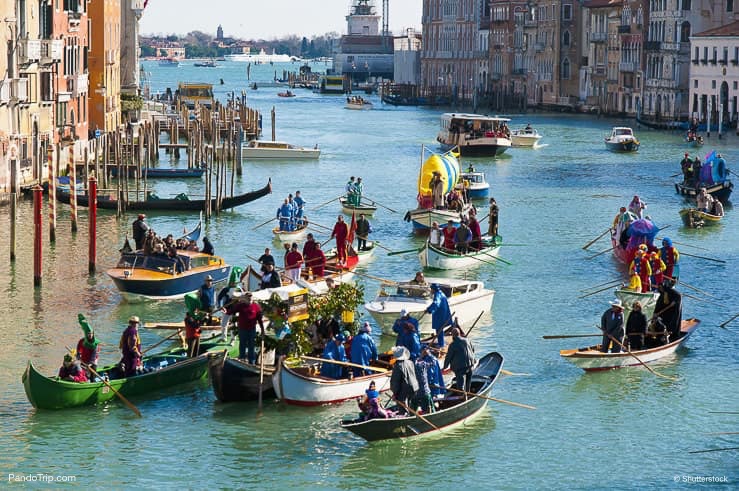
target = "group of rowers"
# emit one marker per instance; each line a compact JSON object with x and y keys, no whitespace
{"x":354,"y":191}
{"x":467,"y":237}
{"x":290,"y":213}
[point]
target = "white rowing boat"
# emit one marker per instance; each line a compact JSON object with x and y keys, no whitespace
{"x":434,"y":257}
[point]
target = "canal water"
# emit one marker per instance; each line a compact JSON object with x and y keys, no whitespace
{"x":620,"y":429}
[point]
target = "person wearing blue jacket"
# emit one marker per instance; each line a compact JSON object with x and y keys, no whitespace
{"x":364,"y":350}
{"x":441,"y":316}
{"x":334,"y":351}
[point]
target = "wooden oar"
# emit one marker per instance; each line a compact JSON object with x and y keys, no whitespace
{"x":517,"y":404}
{"x":703,"y":257}
{"x":345,"y":363}
{"x":379,"y":204}
{"x":683,"y":283}
{"x":618,"y":280}
{"x":596,"y":239}
{"x":702,"y":299}
{"x":481,"y":260}
{"x":383,"y":280}
{"x":684,"y":244}
{"x":265,"y":223}
{"x":715,"y":450}
{"x":498,"y":259}
{"x":724,"y":433}
{"x":120,"y":396}
{"x":319,"y":225}
{"x":407,"y":251}
{"x":161,"y":341}
{"x":375,"y":243}
{"x":566,"y":336}
{"x":421,"y":417}
{"x":675,"y":175}
{"x":600,"y":253}
{"x":327,"y":202}
{"x":261,"y":374}
{"x":506,"y":372}
{"x":597,"y":291}
{"x":723,"y":324}
{"x":628,"y":350}
{"x":473,"y":324}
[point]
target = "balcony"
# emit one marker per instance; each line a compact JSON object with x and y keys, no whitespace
{"x":652,"y":45}
{"x":624,"y":29}
{"x":704,"y":61}
{"x":137,"y":4}
{"x":79,"y":85}
{"x":695,"y":61}
{"x":110,"y":57}
{"x":539,"y":47}
{"x":670,"y":46}
{"x":497,"y":47}
{"x":500,"y":20}
{"x":600,"y":70}
{"x":598,"y":37}
{"x":626,"y":66}
{"x":29,"y":51}
{"x":4,"y":91}
{"x":713,"y":61}
{"x":519,"y":71}
{"x":496,"y":76}
{"x":661,"y":83}
{"x":51,"y":51}
{"x":735,"y":61}
{"x":19,"y":90}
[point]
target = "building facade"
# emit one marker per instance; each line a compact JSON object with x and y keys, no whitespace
{"x":714,"y":74}
{"x":365,"y":51}
{"x":131,"y":11}
{"x":104,"y":65}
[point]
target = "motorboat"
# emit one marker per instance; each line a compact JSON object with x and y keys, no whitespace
{"x":357,"y":103}
{"x":266,"y":149}
{"x":467,"y":299}
{"x":474,"y":134}
{"x":475,"y":185}
{"x":169,"y":62}
{"x":525,"y":137}
{"x":622,"y":140}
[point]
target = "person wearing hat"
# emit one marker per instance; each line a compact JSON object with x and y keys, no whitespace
{"x":249,"y":314}
{"x":437,"y":190}
{"x":88,"y":348}
{"x":433,"y":370}
{"x":140,"y":228}
{"x":227,"y":296}
{"x":460,"y":357}
{"x":403,"y":382}
{"x":370,"y":404}
{"x":423,"y":368}
{"x":658,"y":269}
{"x":636,"y":327}
{"x":669,"y":307}
{"x":207,"y":296}
{"x":612,"y":325}
{"x":435,"y":234}
{"x":358,"y":188}
{"x":363,"y":350}
{"x":493,"y":221}
{"x":71,"y":370}
{"x":130,"y":346}
{"x":640,"y":266}
{"x":299,"y":205}
{"x":671,"y":258}
{"x":441,"y":316}
{"x":334,"y":350}
{"x":462,"y":237}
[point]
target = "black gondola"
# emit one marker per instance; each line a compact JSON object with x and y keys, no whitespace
{"x":720,"y":191}
{"x":171,"y":204}
{"x":236,"y":380}
{"x":453,"y":409}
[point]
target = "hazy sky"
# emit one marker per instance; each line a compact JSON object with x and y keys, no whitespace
{"x":266,"y":19}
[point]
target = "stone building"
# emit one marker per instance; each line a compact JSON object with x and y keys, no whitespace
{"x":714,"y":74}
{"x":104,"y":65}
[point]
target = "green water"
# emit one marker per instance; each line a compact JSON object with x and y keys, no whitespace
{"x":612,"y":430}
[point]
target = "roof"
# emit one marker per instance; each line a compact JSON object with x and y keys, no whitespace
{"x":594,"y":4}
{"x":479,"y":117}
{"x":725,"y":30}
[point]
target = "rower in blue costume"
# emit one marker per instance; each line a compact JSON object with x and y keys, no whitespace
{"x":406,"y":327}
{"x":441,"y":316}
{"x":334,"y":351}
{"x":299,"y":203}
{"x":284,"y":214}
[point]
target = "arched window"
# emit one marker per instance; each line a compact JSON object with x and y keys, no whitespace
{"x":686,"y":5}
{"x":566,"y":69}
{"x":566,"y":38}
{"x":685,"y":32}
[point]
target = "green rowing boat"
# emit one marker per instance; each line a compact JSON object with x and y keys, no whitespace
{"x":162,"y":370}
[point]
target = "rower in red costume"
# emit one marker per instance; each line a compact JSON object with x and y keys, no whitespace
{"x":640,"y":266}
{"x":340,"y":231}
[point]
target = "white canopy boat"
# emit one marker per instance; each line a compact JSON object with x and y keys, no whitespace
{"x":266,"y":149}
{"x":467,"y":299}
{"x":525,"y":137}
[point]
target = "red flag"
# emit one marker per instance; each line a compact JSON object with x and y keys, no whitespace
{"x":352,"y":229}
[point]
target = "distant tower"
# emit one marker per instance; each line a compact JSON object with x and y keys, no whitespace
{"x":219,"y":33}
{"x":363,"y":19}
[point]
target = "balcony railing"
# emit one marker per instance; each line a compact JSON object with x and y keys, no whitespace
{"x":626,"y":66}
{"x":539,"y":47}
{"x":670,"y":46}
{"x":598,"y":37}
{"x":29,"y":51}
{"x":80,"y":85}
{"x":661,"y":83}
{"x":652,"y":45}
{"x":51,"y":50}
{"x":519,"y":71}
{"x":19,"y":89}
{"x":4,"y":91}
{"x":600,"y":70}
{"x":624,"y":29}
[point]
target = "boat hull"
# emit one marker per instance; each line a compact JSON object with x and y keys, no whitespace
{"x":721,"y":191}
{"x":453,"y":411}
{"x":235,"y":380}
{"x":154,"y":172}
{"x":469,"y":149}
{"x":300,"y":389}
{"x":289,"y":236}
{"x":280,"y":154}
{"x":169,"y":368}
{"x":422,"y":218}
{"x":591,"y":359}
{"x":142,"y":284}
{"x":478,"y":191}
{"x":623,"y":146}
{"x":437,"y":258}
{"x":694,"y":218}
{"x":108,"y":203}
{"x":367,"y":210}
{"x":524,"y":141}
{"x":359,"y":107}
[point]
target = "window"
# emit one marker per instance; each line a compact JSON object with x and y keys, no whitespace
{"x":695,"y":83}
{"x":45,"y":20}
{"x":713,"y":84}
{"x":566,"y":38}
{"x":725,"y":59}
{"x":47,"y":86}
{"x":715,"y":55}
{"x":566,"y":12}
{"x":685,"y":32}
{"x":566,"y":69}
{"x":729,"y":5}
{"x":686,"y":5}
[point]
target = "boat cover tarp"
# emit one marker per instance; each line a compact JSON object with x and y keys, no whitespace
{"x":639,"y":230}
{"x":446,"y":164}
